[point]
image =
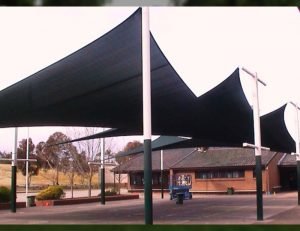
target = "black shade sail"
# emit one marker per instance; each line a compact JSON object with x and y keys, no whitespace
{"x":274,"y":133}
{"x":101,"y":85}
{"x":98,"y":85}
{"x":220,"y":117}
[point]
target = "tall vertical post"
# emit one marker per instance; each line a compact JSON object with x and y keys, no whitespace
{"x":102,"y":172}
{"x":27,"y":163}
{"x":14,"y":175}
{"x":114,"y":181}
{"x":162,"y":173}
{"x":257,"y":142}
{"x":147,"y":116}
{"x":297,"y":150}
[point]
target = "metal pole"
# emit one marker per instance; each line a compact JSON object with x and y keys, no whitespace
{"x":147,"y":116}
{"x":114,"y":181}
{"x":72,"y":178}
{"x":257,"y":140}
{"x":102,"y":172}
{"x":14,"y":175}
{"x":27,"y":163}
{"x":298,"y":151}
{"x":257,"y":144}
{"x":161,"y":172}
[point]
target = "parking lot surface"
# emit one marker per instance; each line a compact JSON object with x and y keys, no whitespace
{"x":281,"y":208}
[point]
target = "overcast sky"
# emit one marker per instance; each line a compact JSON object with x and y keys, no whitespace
{"x":203,"y":44}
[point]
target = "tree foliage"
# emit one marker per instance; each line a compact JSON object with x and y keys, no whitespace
{"x":5,"y":155}
{"x":129,"y":146}
{"x":4,"y":194}
{"x":33,"y":167}
{"x":57,"y":157}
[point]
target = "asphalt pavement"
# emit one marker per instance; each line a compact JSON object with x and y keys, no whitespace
{"x":281,"y":208}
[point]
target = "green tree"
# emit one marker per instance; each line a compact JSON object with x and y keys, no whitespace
{"x":33,"y":167}
{"x":56,"y":157}
{"x":129,"y":146}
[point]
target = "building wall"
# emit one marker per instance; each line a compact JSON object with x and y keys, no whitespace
{"x":272,"y":176}
{"x":156,"y":183}
{"x":247,"y":183}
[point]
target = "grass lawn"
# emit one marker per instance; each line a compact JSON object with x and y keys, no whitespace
{"x":42,"y":179}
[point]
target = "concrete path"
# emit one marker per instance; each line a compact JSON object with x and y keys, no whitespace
{"x":203,"y":209}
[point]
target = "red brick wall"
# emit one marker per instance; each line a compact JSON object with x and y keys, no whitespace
{"x":221,"y":184}
{"x":272,"y":177}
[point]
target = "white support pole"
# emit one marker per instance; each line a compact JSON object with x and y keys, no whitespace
{"x":102,"y":147}
{"x":256,"y":117}
{"x":14,"y":175}
{"x":257,"y":143}
{"x":298,"y":132}
{"x":146,"y":66}
{"x":14,"y":154}
{"x":162,"y":172}
{"x":102,"y":171}
{"x":247,"y":145}
{"x":161,"y":160}
{"x":297,"y":143}
{"x":146,"y":75}
{"x":27,"y":165}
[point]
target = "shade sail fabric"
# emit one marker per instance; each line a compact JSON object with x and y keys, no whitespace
{"x":98,"y":85}
{"x":162,"y":142}
{"x":274,"y":133}
{"x":101,"y":85}
{"x":220,"y":117}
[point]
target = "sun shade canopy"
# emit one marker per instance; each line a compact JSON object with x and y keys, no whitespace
{"x":274,"y":132}
{"x":222,"y":117}
{"x":101,"y":85}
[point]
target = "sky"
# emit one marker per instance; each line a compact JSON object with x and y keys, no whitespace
{"x":204,"y":45}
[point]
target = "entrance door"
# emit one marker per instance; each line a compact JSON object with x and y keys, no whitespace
{"x":288,"y":178}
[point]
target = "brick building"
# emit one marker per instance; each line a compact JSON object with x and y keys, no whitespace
{"x":288,"y":172}
{"x":207,"y":171}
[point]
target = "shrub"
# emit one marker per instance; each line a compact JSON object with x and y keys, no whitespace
{"x":110,"y":192}
{"x":51,"y":193}
{"x":4,"y":194}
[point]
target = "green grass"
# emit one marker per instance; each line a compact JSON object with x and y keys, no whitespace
{"x":41,"y":179}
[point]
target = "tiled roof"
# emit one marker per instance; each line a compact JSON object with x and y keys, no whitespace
{"x":170,"y":157}
{"x":288,"y":160}
{"x":223,"y":157}
{"x":192,"y":158}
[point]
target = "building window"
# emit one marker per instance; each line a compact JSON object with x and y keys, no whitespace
{"x":136,"y":179}
{"x":183,"y":180}
{"x":219,"y":174}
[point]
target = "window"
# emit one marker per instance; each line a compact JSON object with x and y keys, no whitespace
{"x":220,"y":174}
{"x":136,"y":179}
{"x":238,"y":174}
{"x":183,"y":179}
{"x":254,"y":173}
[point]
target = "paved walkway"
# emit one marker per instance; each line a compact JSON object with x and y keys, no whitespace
{"x":202,"y":209}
